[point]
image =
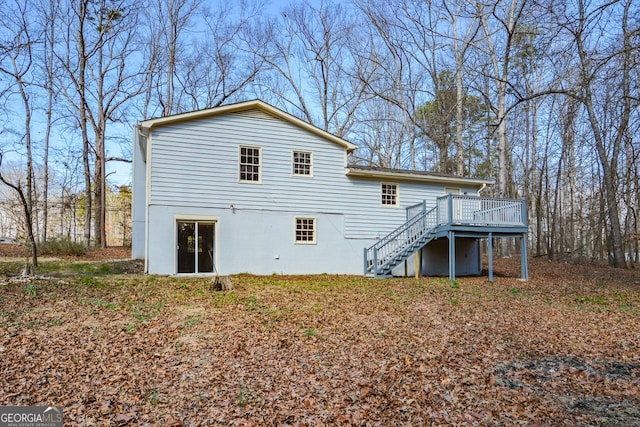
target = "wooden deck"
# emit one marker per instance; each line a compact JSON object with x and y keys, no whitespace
{"x":452,"y":216}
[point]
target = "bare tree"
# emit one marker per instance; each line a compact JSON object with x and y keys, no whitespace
{"x":74,"y":56}
{"x":227,"y":59}
{"x":197,"y":57}
{"x":499,"y":21}
{"x":405,"y":73}
{"x":528,"y":64}
{"x":311,"y":65}
{"x":18,"y":187}
{"x":380,"y":135}
{"x":467,"y":23}
{"x":97,"y":54}
{"x":49,"y":68}
{"x":604,"y":65}
{"x":16,"y":63}
{"x":166,"y":49}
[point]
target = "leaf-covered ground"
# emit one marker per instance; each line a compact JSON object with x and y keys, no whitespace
{"x":129,"y":349}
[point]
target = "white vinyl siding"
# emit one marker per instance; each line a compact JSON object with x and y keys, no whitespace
{"x":194,"y":165}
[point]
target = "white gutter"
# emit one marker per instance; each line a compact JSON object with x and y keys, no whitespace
{"x":407,"y":176}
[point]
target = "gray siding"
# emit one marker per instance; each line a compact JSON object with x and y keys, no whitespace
{"x":192,"y":169}
{"x":195,"y":165}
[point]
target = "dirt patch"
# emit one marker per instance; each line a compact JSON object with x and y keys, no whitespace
{"x":585,"y":380}
{"x":98,"y":254}
{"x":106,"y":254}
{"x":13,"y":251}
{"x":540,"y":373}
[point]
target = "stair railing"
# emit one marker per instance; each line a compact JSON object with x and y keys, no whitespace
{"x":392,"y":245}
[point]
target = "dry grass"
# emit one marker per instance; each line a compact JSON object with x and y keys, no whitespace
{"x":116,"y":349}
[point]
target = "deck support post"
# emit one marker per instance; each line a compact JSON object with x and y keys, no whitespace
{"x":475,"y":217}
{"x":375,"y":263}
{"x":452,"y":255}
{"x":524,"y":268}
{"x":490,"y":256}
{"x":366,"y":266}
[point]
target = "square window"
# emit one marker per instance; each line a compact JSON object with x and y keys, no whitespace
{"x":302,"y":163}
{"x":305,"y":230}
{"x":249,"y":166}
{"x":389,"y":194}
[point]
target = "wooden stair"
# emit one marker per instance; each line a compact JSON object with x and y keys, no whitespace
{"x":393,"y":249}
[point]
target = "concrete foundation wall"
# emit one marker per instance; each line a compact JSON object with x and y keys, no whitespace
{"x":435,"y":257}
{"x":259,"y":242}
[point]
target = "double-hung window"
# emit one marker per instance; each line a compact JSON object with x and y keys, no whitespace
{"x":250,"y":164}
{"x":389,"y":194}
{"x":305,"y":231}
{"x":302,"y":163}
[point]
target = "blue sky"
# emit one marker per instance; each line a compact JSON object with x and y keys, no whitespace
{"x":119,"y":173}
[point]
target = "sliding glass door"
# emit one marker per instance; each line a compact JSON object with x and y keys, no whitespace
{"x":195,"y":246}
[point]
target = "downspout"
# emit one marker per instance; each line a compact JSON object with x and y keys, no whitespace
{"x":147,"y":195}
{"x":489,"y":246}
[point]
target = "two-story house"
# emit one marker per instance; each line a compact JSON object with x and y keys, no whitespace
{"x":247,"y":187}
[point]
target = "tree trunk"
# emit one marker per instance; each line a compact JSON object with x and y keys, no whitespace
{"x":82,"y":112}
{"x":28,"y":218}
{"x":608,"y":156}
{"x":501,"y":68}
{"x":99,"y":194}
{"x":50,"y":58}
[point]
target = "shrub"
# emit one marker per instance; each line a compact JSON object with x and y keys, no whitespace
{"x":61,"y":246}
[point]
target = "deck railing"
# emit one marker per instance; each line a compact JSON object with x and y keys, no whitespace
{"x":422,"y":225}
{"x":474,"y":210}
{"x":399,"y":240}
{"x":416,"y":210}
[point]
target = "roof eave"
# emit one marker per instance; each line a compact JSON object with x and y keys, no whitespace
{"x":147,"y":125}
{"x":419,"y":178}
